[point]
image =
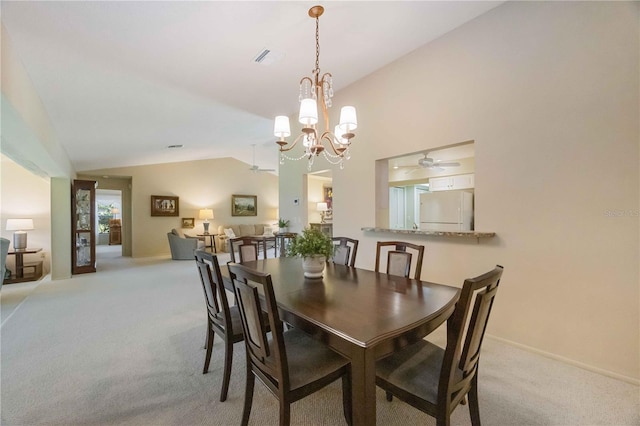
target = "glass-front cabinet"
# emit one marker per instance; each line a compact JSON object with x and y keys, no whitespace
{"x":83,"y":202}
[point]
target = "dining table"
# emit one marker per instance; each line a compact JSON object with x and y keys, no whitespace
{"x":361,"y":314}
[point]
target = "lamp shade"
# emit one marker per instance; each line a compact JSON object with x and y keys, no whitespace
{"x":19,"y":224}
{"x":322,"y":207}
{"x":205,"y":214}
{"x":308,"y":112}
{"x":348,"y":118}
{"x":281,"y":127}
{"x":115,"y":210}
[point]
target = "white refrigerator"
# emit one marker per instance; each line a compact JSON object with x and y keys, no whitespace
{"x":446,"y":211}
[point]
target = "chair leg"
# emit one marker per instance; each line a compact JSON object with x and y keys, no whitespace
{"x":248,"y":395}
{"x":443,"y":418}
{"x":346,"y":398}
{"x":285,"y":413}
{"x":209,"y":346}
{"x":474,"y":406}
{"x":389,"y":396}
{"x":228,"y":362}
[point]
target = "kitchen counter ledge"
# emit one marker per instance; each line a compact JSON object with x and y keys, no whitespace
{"x":463,"y":234}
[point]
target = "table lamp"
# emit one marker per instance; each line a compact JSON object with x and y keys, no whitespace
{"x":20,"y":236}
{"x":322,"y":208}
{"x":114,"y":212}
{"x":206,"y":214}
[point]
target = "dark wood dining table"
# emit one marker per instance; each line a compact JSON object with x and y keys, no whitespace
{"x":363,"y":315}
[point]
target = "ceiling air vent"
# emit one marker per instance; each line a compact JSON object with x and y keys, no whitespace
{"x":267,"y":57}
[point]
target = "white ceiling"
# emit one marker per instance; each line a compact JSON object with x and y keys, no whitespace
{"x":122,"y":80}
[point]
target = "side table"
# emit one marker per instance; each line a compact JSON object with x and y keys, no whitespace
{"x":282,"y":241}
{"x":213,"y":241}
{"x":20,"y":276}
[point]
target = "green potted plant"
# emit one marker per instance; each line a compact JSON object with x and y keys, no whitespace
{"x":314,"y":247}
{"x":283,"y":225}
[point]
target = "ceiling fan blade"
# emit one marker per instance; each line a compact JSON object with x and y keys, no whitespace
{"x":447,"y":164}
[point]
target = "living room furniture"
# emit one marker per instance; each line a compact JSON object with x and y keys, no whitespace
{"x":31,"y":271}
{"x":390,"y":313}
{"x":398,"y":258}
{"x":115,"y":232}
{"x":4,"y":249}
{"x":291,"y":364}
{"x":282,"y":242}
{"x":212,"y":238}
{"x":436,"y":380}
{"x":183,"y":248}
{"x":83,"y":213}
{"x":225,"y":232}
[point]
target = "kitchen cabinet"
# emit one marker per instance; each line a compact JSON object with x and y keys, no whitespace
{"x":448,"y":183}
{"x":83,"y":226}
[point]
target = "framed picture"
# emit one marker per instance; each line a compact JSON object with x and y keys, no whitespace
{"x":188,"y":222}
{"x":328,"y":198}
{"x":164,"y":205}
{"x":244,"y":205}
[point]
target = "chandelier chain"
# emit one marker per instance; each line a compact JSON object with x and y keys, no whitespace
{"x":317,"y":70}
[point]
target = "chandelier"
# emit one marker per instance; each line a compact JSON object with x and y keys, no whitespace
{"x":315,"y":94}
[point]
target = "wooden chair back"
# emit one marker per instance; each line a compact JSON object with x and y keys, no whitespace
{"x":215,"y":297}
{"x":268,"y":356}
{"x":345,"y":251}
{"x":398,"y":263}
{"x":248,"y":249}
{"x":465,"y":335}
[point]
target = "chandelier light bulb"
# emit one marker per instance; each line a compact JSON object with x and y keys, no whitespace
{"x":348,"y":119}
{"x":281,"y":127}
{"x":308,"y":112}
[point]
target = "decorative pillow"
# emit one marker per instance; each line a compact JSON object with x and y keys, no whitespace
{"x":229,"y":233}
{"x":268,"y":231}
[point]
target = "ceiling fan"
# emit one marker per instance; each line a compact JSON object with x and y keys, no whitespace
{"x":430,"y":163}
{"x":254,"y":168}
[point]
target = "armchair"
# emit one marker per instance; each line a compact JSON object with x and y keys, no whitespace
{"x":183,"y":248}
{"x":4,"y":249}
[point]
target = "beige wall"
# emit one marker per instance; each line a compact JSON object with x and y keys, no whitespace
{"x":549,"y":92}
{"x":33,"y":203}
{"x":199,"y":184}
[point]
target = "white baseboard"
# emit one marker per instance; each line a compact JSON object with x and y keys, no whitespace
{"x":569,"y":361}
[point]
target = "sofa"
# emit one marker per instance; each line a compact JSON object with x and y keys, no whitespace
{"x":226,"y":232}
{"x":182,"y":248}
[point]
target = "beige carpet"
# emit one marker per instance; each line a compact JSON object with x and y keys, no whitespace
{"x":124,"y":346}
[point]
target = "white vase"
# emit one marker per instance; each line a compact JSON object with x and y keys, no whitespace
{"x":313,"y":266}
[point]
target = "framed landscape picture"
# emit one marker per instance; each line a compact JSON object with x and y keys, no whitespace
{"x":188,"y":222}
{"x":244,"y":205}
{"x":164,"y":205}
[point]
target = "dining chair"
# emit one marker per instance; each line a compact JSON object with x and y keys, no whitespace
{"x":436,"y":380}
{"x":345,"y":251}
{"x":398,"y":258}
{"x":221,"y":318}
{"x":248,"y":249}
{"x":290,"y":363}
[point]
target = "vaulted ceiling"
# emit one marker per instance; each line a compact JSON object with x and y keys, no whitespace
{"x":121,"y":81}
